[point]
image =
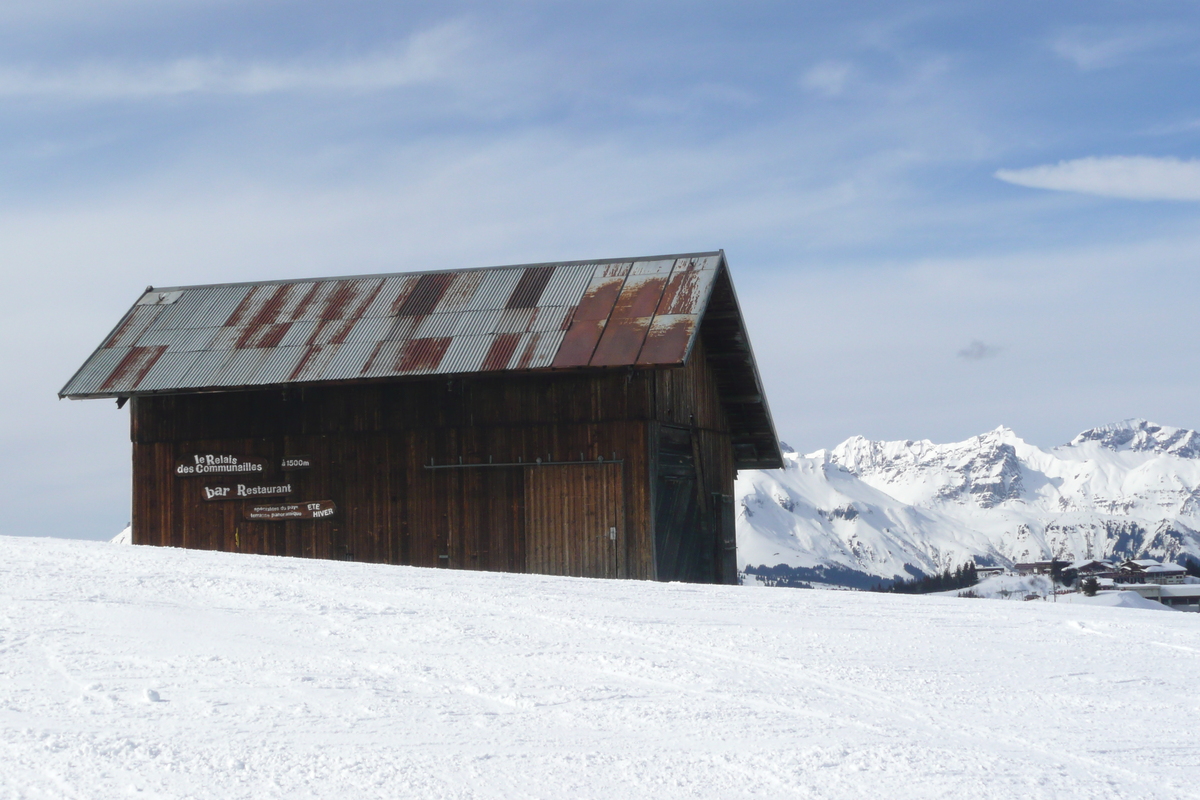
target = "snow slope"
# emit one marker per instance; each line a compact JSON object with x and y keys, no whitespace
{"x":150,"y":672}
{"x":1019,"y":588}
{"x":886,"y":509}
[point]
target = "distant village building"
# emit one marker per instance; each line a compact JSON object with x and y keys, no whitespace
{"x":1037,"y":567}
{"x":987,"y":571}
{"x":1145,"y":570}
{"x":1089,"y":568}
{"x":583,"y":418}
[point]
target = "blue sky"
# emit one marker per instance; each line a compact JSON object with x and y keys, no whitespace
{"x":941,"y":217}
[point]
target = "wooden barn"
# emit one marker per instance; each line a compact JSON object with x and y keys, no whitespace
{"x":583,"y":418}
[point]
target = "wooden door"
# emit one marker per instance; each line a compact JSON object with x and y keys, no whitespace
{"x":684,"y":544}
{"x":574,"y":519}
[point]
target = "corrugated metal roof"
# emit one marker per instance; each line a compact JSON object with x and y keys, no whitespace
{"x":540,"y":316}
{"x":643,"y":312}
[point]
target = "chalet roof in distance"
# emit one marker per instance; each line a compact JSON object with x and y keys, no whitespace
{"x":633,"y":312}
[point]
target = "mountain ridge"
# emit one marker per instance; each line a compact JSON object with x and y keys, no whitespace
{"x":874,"y":511}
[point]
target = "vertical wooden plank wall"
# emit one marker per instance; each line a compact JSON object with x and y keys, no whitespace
{"x":689,"y":396}
{"x":576,"y":520}
{"x":370,"y":446}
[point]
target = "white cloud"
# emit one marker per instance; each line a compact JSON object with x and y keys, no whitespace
{"x":1088,"y":51}
{"x":427,"y":57}
{"x":1129,"y":177}
{"x":828,"y":78}
{"x":877,"y":336}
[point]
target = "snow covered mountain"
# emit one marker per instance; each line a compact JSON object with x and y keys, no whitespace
{"x":867,"y":510}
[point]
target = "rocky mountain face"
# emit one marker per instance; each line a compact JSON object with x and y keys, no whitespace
{"x":866,"y":510}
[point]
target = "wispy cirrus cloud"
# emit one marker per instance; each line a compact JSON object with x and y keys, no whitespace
{"x":427,"y":57}
{"x":1126,"y":177}
{"x":828,"y":77}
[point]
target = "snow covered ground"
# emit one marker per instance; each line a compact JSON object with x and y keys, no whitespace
{"x":146,"y":672}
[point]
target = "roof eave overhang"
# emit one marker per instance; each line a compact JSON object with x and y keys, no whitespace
{"x":739,"y":380}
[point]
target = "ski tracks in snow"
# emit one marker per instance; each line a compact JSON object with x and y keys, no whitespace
{"x":847,"y":704}
{"x":287,"y":678}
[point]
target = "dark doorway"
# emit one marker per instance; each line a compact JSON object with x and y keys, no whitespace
{"x":683,"y":541}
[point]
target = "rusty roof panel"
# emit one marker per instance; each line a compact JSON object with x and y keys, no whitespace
{"x":529,"y":288}
{"x":500,"y":352}
{"x":287,"y":306}
{"x":133,"y":326}
{"x":381,"y":359}
{"x":425,"y":295}
{"x":640,"y":295}
{"x":612,"y":269}
{"x":595,"y":313}
{"x":535,"y":350}
{"x":94,"y":372}
{"x":545,"y":345}
{"x":668,"y":339}
{"x":701,"y":262}
{"x":392,"y":294}
{"x":459,"y":293}
{"x":220,"y":306}
{"x":132,"y":367}
{"x":687,"y":290}
{"x":252,"y":304}
{"x":350,"y":298}
{"x":579,"y":343}
{"x":621,"y":342}
{"x":566,"y":286}
{"x":270,"y":335}
{"x":313,"y":362}
{"x":421,"y":356}
{"x":602,"y":292}
{"x":464,"y":355}
{"x":494,"y":289}
{"x":661,"y":267}
{"x":331,"y":331}
{"x":309,"y":300}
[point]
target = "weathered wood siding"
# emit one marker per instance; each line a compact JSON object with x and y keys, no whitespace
{"x":575,"y":520}
{"x":688,"y":397}
{"x":371,"y":445}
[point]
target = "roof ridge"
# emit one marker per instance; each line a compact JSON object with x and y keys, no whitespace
{"x":456,"y":270}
